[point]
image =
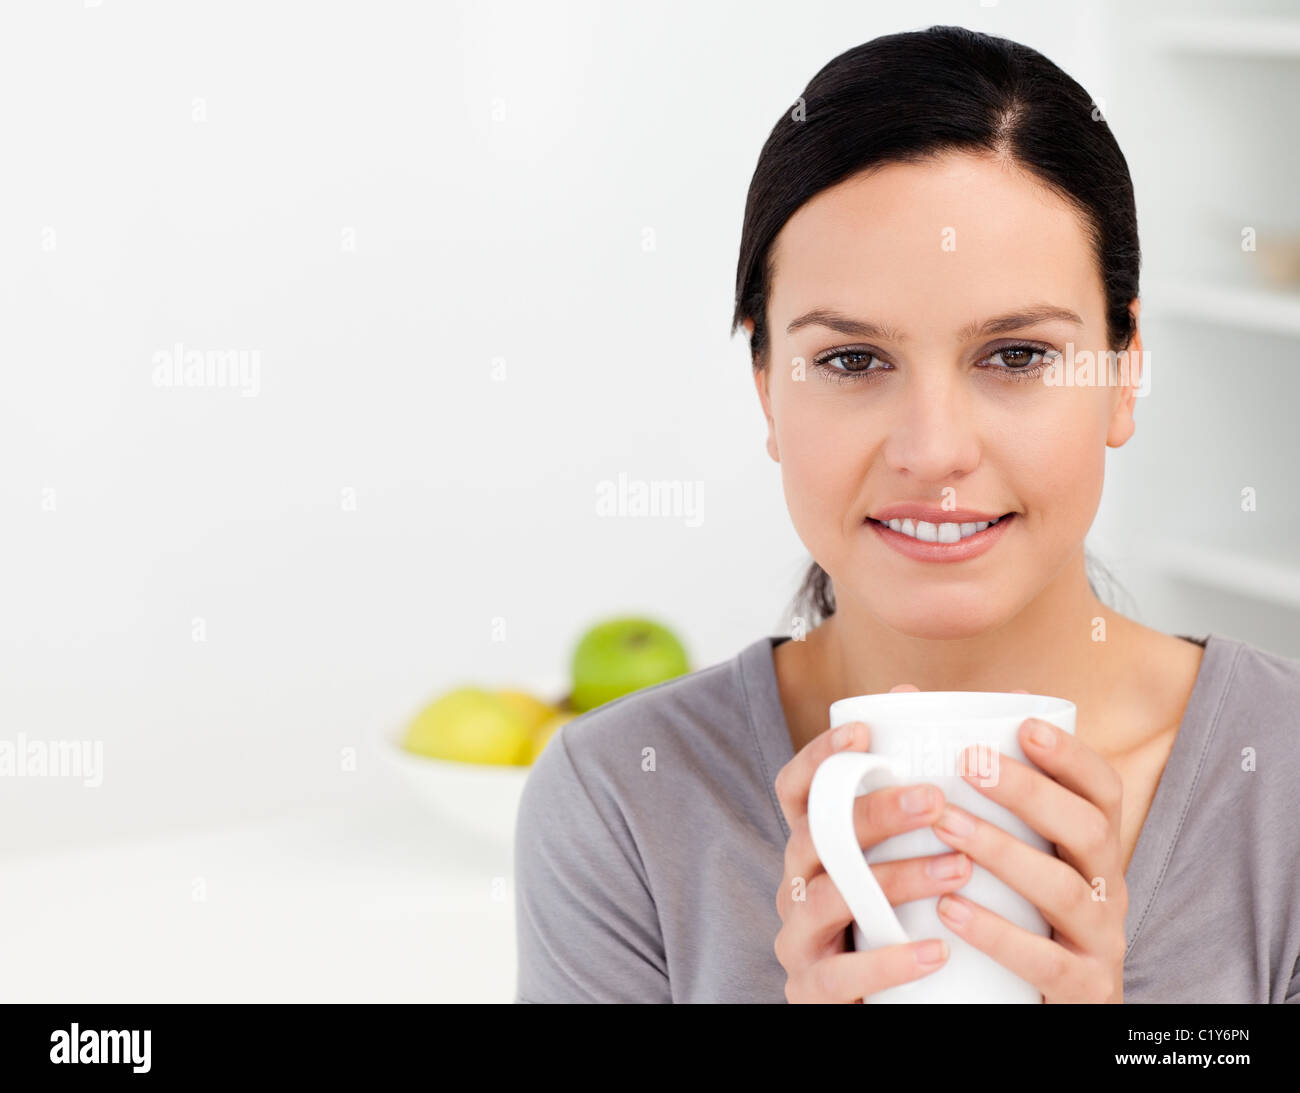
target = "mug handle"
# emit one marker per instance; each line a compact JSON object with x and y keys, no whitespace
{"x":837,"y":782}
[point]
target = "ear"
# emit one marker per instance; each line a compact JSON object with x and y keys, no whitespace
{"x":761,"y":377}
{"x":1121,"y":417}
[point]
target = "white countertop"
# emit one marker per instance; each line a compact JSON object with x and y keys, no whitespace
{"x":371,"y":899}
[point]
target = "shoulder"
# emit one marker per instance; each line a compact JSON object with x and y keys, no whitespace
{"x":694,"y":714}
{"x":1257,"y":691}
{"x":1247,"y":783}
{"x":1279,"y":674}
{"x":1248,"y":758}
{"x":673,"y":746}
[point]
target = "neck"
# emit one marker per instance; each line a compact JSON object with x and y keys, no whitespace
{"x":1065,"y":643}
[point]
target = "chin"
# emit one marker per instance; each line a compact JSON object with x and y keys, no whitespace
{"x":946,"y":620}
{"x":940,"y":632}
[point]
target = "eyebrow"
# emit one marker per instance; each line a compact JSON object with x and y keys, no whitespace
{"x":1000,"y":324}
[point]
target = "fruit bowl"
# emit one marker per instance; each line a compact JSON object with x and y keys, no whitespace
{"x":477,"y":799}
{"x":494,"y":732}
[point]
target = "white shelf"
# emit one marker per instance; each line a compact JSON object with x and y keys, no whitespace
{"x":1250,"y":37}
{"x":1272,"y":311}
{"x":1226,"y":571}
{"x":1235,"y":73}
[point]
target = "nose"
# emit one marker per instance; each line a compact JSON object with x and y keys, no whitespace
{"x":933,"y":435}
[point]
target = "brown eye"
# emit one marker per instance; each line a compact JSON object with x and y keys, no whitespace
{"x":847,"y":365}
{"x":854,"y":362}
{"x":1016,"y":356}
{"x":1017,"y":361}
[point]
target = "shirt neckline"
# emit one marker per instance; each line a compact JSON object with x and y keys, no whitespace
{"x":1169,"y":805}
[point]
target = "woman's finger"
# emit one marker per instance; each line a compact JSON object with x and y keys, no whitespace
{"x":1084,"y":834}
{"x":794,"y":780}
{"x":1064,"y":898}
{"x":1047,"y":964}
{"x":1072,"y":763}
{"x":890,"y":810}
{"x":849,"y":977}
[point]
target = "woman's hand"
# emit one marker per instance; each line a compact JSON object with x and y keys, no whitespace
{"x":1081,"y":893}
{"x":812,"y":944}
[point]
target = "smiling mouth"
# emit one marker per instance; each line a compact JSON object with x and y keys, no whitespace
{"x":926,"y":532}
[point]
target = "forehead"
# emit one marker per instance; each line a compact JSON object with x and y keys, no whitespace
{"x":929,"y":242}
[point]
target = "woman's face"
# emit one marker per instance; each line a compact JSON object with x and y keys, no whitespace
{"x":927,"y":254}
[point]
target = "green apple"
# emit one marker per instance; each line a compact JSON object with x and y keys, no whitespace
{"x":471,"y":725}
{"x":623,"y":655}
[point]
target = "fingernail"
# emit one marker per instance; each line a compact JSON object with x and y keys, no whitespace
{"x":929,"y":953}
{"x":1041,"y":733}
{"x":916,"y":799}
{"x":841,"y":736}
{"x":953,"y":909}
{"x":955,"y":823}
{"x":950,"y":865}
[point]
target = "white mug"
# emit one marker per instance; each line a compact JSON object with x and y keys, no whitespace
{"x":918,"y":737}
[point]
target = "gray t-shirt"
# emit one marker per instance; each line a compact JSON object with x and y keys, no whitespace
{"x":649,"y":845}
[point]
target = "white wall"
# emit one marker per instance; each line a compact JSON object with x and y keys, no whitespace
{"x":497,"y":166}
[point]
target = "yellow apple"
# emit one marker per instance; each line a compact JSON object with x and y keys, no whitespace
{"x":548,"y":729}
{"x":471,"y":725}
{"x":531,"y":709}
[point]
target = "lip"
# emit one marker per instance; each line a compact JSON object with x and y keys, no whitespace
{"x":960,"y":551}
{"x":932,"y":515}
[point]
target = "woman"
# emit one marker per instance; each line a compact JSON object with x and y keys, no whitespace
{"x":939,"y":224}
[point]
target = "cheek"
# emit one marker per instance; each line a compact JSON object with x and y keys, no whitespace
{"x":824,"y":462}
{"x":1059,"y":453}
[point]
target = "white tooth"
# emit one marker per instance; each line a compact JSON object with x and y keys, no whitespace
{"x":908,"y":528}
{"x":949,"y":533}
{"x":980,"y":525}
{"x":967,"y":529}
{"x":897,"y":525}
{"x":927,"y":532}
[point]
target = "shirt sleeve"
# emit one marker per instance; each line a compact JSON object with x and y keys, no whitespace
{"x":586,"y":922}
